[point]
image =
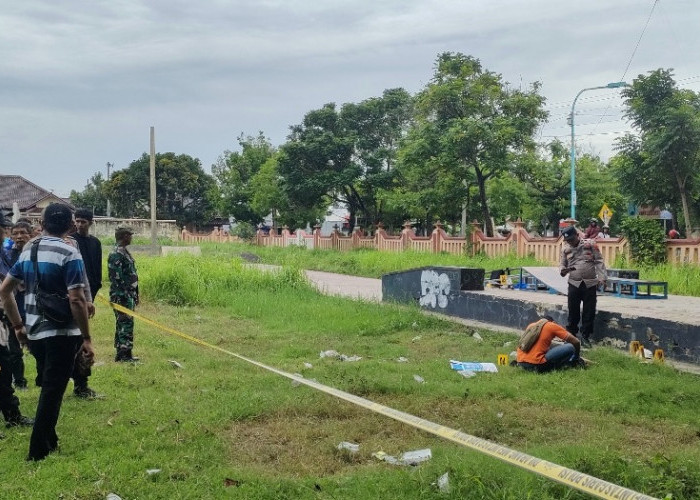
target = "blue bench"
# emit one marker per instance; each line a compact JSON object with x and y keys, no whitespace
{"x":637,"y":289}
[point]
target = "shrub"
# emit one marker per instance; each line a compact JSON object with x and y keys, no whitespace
{"x":244,"y":230}
{"x":647,"y":240}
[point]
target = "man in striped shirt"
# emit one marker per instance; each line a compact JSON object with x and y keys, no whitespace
{"x":60,"y":271}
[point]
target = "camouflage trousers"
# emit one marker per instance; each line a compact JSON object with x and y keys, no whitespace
{"x":124,"y":333}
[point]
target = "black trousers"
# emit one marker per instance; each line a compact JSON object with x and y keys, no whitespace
{"x":589,"y":298}
{"x":16,"y":361}
{"x":54,"y":362}
{"x":9,"y":404}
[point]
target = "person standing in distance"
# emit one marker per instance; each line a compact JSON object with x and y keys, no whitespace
{"x":60,"y":271}
{"x":9,"y":403}
{"x":91,"y":250}
{"x":124,"y":291}
{"x":20,"y":235}
{"x":582,"y":261}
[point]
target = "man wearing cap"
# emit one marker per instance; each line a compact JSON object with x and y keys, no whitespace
{"x":49,"y":266}
{"x":582,"y":261}
{"x":124,"y":291}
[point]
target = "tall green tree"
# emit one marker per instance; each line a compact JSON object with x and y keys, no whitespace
{"x":346,"y":156}
{"x":477,"y":120}
{"x":234,"y":171}
{"x":92,"y":196}
{"x":660,"y":164}
{"x":425,"y":188}
{"x":184,"y":191}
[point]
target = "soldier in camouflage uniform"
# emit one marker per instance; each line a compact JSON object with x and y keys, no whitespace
{"x":124,"y":290}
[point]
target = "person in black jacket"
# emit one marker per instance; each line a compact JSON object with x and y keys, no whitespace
{"x":91,"y":252}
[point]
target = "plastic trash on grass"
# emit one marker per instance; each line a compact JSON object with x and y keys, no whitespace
{"x":473,"y":367}
{"x":351,"y":447}
{"x":407,"y":458}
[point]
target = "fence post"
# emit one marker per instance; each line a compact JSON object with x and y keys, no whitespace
{"x":406,"y":233}
{"x":356,"y":234}
{"x":437,"y":237}
{"x":317,"y":235}
{"x":335,"y":237}
{"x":476,"y":237}
{"x":519,"y":237}
{"x":379,"y":235}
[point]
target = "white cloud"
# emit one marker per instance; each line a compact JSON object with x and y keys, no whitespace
{"x":81,"y":82}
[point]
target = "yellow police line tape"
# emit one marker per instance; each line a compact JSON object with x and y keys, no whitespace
{"x":569,"y":477}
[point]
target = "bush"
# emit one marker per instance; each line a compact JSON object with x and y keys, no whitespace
{"x":647,"y":240}
{"x":244,"y":230}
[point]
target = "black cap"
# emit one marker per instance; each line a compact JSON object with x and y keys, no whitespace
{"x":569,"y":233}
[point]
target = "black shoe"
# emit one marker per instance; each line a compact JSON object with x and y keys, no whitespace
{"x":86,"y":393}
{"x":124,"y":356}
{"x":586,"y":343}
{"x":20,"y":421}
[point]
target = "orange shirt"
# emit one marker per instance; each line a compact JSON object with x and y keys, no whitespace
{"x":536,"y":354}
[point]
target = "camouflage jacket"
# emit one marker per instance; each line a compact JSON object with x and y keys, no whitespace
{"x":122,"y":275}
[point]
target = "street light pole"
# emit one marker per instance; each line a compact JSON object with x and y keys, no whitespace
{"x":612,"y":85}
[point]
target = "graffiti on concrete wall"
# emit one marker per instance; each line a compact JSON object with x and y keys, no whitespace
{"x":435,"y":289}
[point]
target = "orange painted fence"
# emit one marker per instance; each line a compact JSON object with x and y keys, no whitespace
{"x":518,"y":242}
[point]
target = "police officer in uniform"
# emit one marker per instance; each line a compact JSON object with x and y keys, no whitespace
{"x":582,"y":261}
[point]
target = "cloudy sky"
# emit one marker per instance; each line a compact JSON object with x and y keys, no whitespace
{"x":81,"y":83}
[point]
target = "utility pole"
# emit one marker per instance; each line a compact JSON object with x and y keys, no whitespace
{"x":154,"y":229}
{"x":109,"y":204}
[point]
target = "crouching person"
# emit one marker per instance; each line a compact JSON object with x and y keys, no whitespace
{"x":536,"y":353}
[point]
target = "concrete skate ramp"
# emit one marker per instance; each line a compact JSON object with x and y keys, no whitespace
{"x":549,"y":276}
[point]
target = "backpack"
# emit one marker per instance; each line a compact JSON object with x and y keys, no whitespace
{"x":531,"y":334}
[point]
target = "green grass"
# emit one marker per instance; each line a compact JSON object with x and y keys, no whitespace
{"x":682,"y":280}
{"x":222,"y":428}
{"x":360,"y":262}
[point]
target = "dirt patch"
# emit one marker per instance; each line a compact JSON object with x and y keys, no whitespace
{"x":306,"y":445}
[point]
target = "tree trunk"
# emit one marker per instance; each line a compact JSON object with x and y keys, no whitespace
{"x":481,"y":181}
{"x":684,"y":202}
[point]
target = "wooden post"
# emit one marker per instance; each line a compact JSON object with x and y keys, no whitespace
{"x":154,"y":229}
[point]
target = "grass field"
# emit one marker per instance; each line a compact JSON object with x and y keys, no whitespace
{"x":682,"y":280}
{"x":221,"y":428}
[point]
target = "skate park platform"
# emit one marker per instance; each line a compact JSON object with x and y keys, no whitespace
{"x":672,"y":324}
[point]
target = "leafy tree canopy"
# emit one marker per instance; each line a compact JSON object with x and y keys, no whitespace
{"x":93,"y":196}
{"x":477,"y":122}
{"x":234,"y":172}
{"x":184,"y":192}
{"x":660,"y":164}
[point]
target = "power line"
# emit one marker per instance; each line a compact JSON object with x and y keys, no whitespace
{"x":629,"y":63}
{"x":634,"y":52}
